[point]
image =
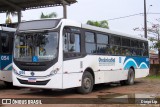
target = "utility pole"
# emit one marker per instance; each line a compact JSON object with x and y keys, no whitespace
{"x":145,"y":20}
{"x":64,"y":3}
{"x":64,"y":11}
{"x":19,"y":16}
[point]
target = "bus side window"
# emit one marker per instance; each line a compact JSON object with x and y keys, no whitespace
{"x":5,"y":42}
{"x":65,"y":42}
{"x":90,"y":44}
{"x":71,"y":44}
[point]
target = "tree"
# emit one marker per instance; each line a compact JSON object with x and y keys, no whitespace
{"x":153,"y":35}
{"x":8,"y":20}
{"x":103,"y":23}
{"x":51,"y":15}
{"x":8,"y":16}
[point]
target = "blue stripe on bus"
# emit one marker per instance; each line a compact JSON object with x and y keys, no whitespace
{"x":136,"y":62}
{"x":5,"y":62}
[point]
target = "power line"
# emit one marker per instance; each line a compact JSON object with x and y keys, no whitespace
{"x":124,"y":16}
{"x":129,"y":16}
{"x":153,"y":13}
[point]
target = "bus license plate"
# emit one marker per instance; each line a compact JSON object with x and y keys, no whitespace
{"x":31,"y":79}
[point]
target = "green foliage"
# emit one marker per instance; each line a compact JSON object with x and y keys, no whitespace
{"x":8,"y":20}
{"x":155,"y":42}
{"x":153,"y":31}
{"x":103,"y":23}
{"x":157,"y":45}
{"x":8,"y":14}
{"x":153,"y":77}
{"x":13,"y":13}
{"x":51,"y":15}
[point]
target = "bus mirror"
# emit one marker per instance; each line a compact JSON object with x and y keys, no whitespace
{"x":72,"y":38}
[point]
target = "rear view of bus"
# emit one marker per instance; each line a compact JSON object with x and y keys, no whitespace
{"x":6,"y":47}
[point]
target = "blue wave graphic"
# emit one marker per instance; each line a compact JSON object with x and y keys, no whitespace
{"x":136,"y":62}
{"x":129,"y":64}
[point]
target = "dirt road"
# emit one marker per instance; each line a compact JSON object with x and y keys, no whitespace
{"x":143,"y":88}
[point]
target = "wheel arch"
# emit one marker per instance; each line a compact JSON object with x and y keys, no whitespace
{"x":133,"y":70}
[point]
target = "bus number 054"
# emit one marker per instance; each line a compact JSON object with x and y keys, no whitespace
{"x":5,"y":58}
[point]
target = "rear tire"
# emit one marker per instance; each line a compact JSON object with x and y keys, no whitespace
{"x":130,"y":79}
{"x":87,"y":83}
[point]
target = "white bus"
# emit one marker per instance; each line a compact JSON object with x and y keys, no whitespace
{"x":6,"y":48}
{"x":61,"y":54}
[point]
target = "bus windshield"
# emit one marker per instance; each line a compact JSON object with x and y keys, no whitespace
{"x":42,"y":45}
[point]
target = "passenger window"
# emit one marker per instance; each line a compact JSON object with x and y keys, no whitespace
{"x":126,"y":51}
{"x":90,"y":43}
{"x":115,"y":50}
{"x":115,"y":40}
{"x":89,"y":37}
{"x":102,"y":39}
{"x":70,"y":46}
{"x":90,"y":48}
{"x":71,"y":43}
{"x":125,"y":42}
{"x":5,"y":42}
{"x":144,"y":49}
{"x":102,"y":49}
{"x":115,"y":43}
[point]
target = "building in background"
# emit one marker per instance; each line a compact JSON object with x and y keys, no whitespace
{"x":153,"y":57}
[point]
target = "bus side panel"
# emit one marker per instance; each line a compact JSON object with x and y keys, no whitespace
{"x":139,"y":73}
{"x":140,"y":65}
{"x":6,"y":76}
{"x":0,"y":63}
{"x":92,"y":62}
{"x":106,"y":68}
{"x":72,"y":73}
{"x":6,"y":68}
{"x":113,"y":76}
{"x":114,"y":69}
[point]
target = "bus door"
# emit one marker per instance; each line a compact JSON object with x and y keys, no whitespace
{"x":72,"y":57}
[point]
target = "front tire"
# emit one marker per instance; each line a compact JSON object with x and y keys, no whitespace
{"x":87,"y":83}
{"x":130,"y":79}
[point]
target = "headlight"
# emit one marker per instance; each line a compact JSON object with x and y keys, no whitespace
{"x":13,"y":70}
{"x":53,"y":72}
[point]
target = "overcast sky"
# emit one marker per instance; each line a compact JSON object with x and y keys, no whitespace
{"x":98,"y":10}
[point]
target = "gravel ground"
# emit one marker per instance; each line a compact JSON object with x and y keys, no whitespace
{"x":143,"y":88}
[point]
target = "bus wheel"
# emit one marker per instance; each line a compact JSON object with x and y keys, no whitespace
{"x":87,"y":83}
{"x":130,"y":79}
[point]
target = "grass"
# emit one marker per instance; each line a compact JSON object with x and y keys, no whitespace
{"x":153,"y":77}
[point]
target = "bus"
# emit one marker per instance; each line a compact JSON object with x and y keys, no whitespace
{"x":6,"y":48}
{"x":61,"y":54}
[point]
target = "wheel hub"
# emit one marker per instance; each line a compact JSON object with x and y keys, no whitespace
{"x":87,"y":83}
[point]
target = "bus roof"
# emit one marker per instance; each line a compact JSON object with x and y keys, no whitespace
{"x":85,"y":26}
{"x":7,"y":29}
{"x":111,"y":32}
{"x":77,"y":24}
